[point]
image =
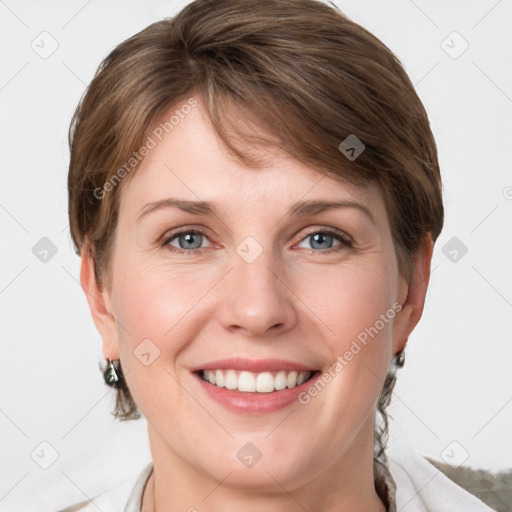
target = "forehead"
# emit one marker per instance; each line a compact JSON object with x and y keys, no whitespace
{"x":189,"y":162}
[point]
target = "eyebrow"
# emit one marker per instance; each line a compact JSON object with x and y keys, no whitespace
{"x":304,"y":208}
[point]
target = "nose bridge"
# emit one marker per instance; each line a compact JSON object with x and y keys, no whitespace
{"x":256,"y":299}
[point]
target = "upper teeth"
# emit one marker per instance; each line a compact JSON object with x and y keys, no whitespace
{"x":264,"y":382}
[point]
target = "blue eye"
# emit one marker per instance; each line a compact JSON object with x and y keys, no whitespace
{"x":188,"y":241}
{"x":324,"y":240}
{"x":320,"y":241}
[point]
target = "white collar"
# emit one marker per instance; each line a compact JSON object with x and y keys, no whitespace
{"x":421,"y":487}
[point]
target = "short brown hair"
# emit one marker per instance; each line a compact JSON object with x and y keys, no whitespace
{"x":305,"y":73}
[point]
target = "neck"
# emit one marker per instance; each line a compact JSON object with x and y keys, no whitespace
{"x":347,"y":485}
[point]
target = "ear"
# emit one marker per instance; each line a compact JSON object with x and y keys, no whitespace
{"x":412,"y":297}
{"x":99,"y":303}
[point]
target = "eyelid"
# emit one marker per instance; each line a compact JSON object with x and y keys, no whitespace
{"x":170,"y":234}
{"x":345,"y":240}
{"x":326,"y":229}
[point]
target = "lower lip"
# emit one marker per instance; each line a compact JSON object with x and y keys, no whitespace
{"x":255,"y":403}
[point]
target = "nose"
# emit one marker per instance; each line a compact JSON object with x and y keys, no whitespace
{"x":255,"y":298}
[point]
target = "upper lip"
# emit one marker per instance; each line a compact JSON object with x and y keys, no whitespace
{"x":253,"y":365}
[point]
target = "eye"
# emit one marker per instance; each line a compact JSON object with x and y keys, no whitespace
{"x":326,"y":240}
{"x":320,"y":240}
{"x":186,"y":241}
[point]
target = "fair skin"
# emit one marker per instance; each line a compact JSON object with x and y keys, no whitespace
{"x":295,"y":301}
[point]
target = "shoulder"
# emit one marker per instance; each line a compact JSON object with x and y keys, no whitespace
{"x":421,"y":486}
{"x":125,"y":497}
{"x":495,"y":489}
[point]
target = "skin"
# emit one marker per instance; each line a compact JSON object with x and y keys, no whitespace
{"x":295,"y":301}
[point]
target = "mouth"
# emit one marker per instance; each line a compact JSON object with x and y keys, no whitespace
{"x":254,"y":386}
{"x":261,"y":382}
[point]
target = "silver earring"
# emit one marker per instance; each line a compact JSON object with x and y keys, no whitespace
{"x":110,"y":375}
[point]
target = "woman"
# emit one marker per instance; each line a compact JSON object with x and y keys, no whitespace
{"x":255,"y":194}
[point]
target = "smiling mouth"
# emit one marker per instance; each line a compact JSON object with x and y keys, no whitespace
{"x":251,"y":382}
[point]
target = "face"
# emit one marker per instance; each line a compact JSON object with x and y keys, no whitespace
{"x":248,"y":273}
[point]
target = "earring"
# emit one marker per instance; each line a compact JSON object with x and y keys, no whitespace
{"x":110,"y":375}
{"x":400,"y":357}
{"x":400,"y":360}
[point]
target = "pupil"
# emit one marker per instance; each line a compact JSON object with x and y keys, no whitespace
{"x":189,"y":239}
{"x":320,"y":238}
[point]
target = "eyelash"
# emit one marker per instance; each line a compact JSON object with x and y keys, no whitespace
{"x":341,"y":237}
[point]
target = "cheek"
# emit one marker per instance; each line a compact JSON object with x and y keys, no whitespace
{"x":350,"y":303}
{"x":151,"y":312}
{"x":153,"y":300}
{"x":158,"y":309}
{"x":141,"y":309}
{"x":355,"y":308}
